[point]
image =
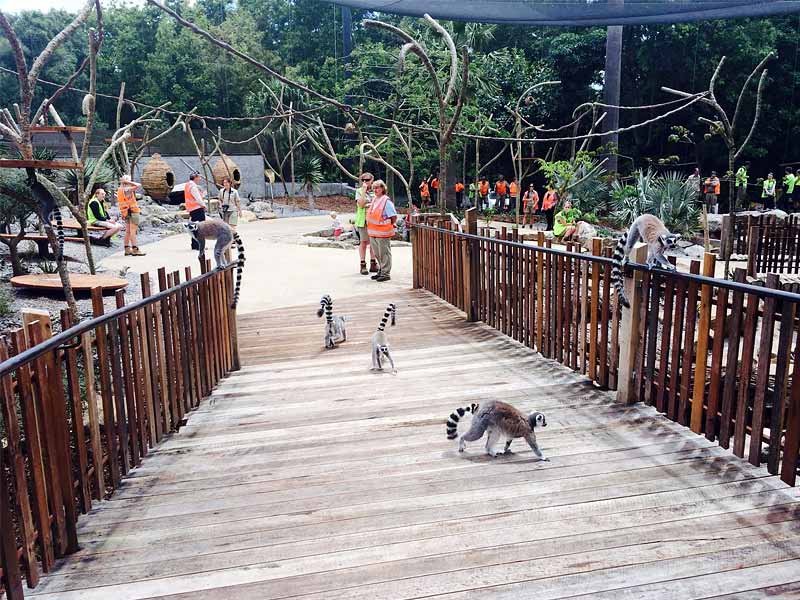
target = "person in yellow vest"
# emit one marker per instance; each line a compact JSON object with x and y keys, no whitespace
{"x":129,"y":209}
{"x":194,"y":203}
{"x":381,"y":218}
{"x":513,"y":195}
{"x":425,"y":193}
{"x":97,"y":215}
{"x":459,"y":188}
{"x":364,"y":196}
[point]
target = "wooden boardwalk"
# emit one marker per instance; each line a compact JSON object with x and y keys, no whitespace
{"x":306,"y":476}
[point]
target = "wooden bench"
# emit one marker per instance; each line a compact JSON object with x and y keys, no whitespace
{"x":73,"y":224}
{"x":43,"y":243}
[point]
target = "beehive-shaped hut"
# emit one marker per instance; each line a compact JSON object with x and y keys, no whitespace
{"x":157,"y":178}
{"x":225,"y":167}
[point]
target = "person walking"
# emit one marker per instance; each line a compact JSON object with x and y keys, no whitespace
{"x":193,"y":200}
{"x":381,"y":219}
{"x":789,"y":183}
{"x":768,"y":192}
{"x":129,"y":209}
{"x":425,"y":193}
{"x":711,"y":190}
{"x":549,"y":205}
{"x":530,"y":202}
{"x":741,"y":185}
{"x":484,"y":193}
{"x":459,"y":188}
{"x":513,"y":195}
{"x":695,"y":182}
{"x":473,"y":193}
{"x":363,"y":197}
{"x":230,"y":204}
{"x":433,"y":183}
{"x":501,"y":191}
{"x":97,"y":215}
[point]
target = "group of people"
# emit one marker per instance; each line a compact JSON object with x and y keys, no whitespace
{"x":769,"y":194}
{"x":375,"y":221}
{"x":98,"y":212}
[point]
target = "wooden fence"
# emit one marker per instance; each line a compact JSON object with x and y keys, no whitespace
{"x":735,"y":233}
{"x":83,"y":407}
{"x":710,"y":354}
{"x":774,"y":248}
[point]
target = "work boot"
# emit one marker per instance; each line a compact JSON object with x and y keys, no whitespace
{"x":373,"y":266}
{"x":364,"y":268}
{"x":136,"y":252}
{"x":374,"y":277}
{"x":383,"y":277}
{"x":128,"y":251}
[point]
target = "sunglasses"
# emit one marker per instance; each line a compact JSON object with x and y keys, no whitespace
{"x":366,"y":180}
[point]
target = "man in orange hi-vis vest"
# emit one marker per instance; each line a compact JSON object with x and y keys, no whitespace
{"x":381,"y":217}
{"x":193,"y":200}
{"x":129,"y":209}
{"x":459,"y":194}
{"x":513,"y":195}
{"x":434,"y":188}
{"x":483,"y":192}
{"x":501,"y":189}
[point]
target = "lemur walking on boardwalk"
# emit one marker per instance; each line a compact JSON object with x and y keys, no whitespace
{"x":651,"y":231}
{"x":46,"y":208}
{"x":500,"y":420}
{"x":214,"y":229}
{"x":380,"y":341}
{"x":335,"y":328}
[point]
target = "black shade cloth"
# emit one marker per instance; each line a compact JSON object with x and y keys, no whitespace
{"x":578,"y":12}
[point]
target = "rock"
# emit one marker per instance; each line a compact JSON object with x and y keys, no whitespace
{"x":266,"y":216}
{"x":683,"y":244}
{"x":715,"y":223}
{"x":323,"y":243}
{"x":323,"y":233}
{"x":262,"y":210}
{"x":400,"y":244}
{"x":695,"y":251}
{"x":584,"y":233}
{"x":248,"y":216}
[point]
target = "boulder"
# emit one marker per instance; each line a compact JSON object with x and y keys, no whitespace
{"x":247,"y":216}
{"x":584,"y":234}
{"x":695,"y":251}
{"x":323,"y":233}
{"x":324,"y":243}
{"x":262,"y":210}
{"x":715,"y":223}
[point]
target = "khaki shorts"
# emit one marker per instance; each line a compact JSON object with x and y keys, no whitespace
{"x":363,"y":234}
{"x":132,"y":218}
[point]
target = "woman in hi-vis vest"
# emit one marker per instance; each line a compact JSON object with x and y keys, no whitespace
{"x":193,"y":200}
{"x":381,"y":217}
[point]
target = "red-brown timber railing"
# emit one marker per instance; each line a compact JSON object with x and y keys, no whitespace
{"x":718,"y":356}
{"x":83,"y":407}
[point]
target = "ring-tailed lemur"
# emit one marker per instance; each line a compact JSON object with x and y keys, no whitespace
{"x":211,"y":229}
{"x":380,"y":342}
{"x":651,"y":231}
{"x":501,"y":420}
{"x":335,"y":328}
{"x":46,"y":208}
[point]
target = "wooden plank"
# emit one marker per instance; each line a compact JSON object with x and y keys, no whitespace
{"x":701,"y":357}
{"x":540,"y":294}
{"x":591,"y":370}
{"x":653,"y":314}
{"x":170,"y":357}
{"x":137,"y":437}
{"x":605,"y":317}
{"x":16,"y":463}
{"x":731,"y":363}
{"x":629,"y":338}
{"x":56,"y":129}
{"x":9,"y":163}
{"x":712,"y":423}
{"x":675,"y":350}
{"x":666,"y":334}
{"x":779,"y":399}
{"x":151,"y":349}
{"x":78,"y":425}
{"x":688,"y":359}
{"x":791,"y":445}
{"x":92,"y":403}
{"x":751,"y":323}
{"x":762,"y":373}
{"x":12,"y":580}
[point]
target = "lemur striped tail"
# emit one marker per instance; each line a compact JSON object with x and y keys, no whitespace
{"x":326,"y":307}
{"x":239,"y":267}
{"x":391,"y":310}
{"x":452,"y":421}
{"x":616,"y":271}
{"x":59,"y":232}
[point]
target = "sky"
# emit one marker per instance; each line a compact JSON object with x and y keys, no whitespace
{"x":13,"y":6}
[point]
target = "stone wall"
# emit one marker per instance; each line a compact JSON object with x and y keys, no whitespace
{"x":252,"y":169}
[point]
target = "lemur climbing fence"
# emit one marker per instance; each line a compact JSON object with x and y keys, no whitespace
{"x":721,"y":357}
{"x":81,"y":408}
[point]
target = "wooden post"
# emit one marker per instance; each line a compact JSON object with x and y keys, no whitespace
{"x":470,"y":265}
{"x":629,"y":331}
{"x":701,"y":358}
{"x":726,"y":238}
{"x":753,"y":236}
{"x":12,"y":582}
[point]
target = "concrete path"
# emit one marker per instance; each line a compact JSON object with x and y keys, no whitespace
{"x":281,"y":270}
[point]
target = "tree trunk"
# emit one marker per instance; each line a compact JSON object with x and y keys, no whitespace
{"x":477,"y":198}
{"x":442,"y":204}
{"x":611,"y":87}
{"x":310,"y":195}
{"x":63,"y":274}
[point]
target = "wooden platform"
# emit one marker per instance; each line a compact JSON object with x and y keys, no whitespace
{"x":307,"y":476}
{"x":81,"y":282}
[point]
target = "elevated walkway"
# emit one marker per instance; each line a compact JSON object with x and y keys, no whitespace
{"x":307,"y":476}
